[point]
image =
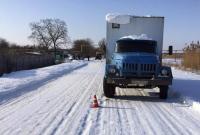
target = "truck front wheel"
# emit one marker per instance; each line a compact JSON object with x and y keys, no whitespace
{"x":108,"y":89}
{"x":163,"y":92}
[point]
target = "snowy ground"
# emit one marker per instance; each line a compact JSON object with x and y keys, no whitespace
{"x":61,"y":105}
{"x":16,"y":83}
{"x":186,"y":84}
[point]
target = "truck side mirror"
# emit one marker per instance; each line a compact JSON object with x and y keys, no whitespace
{"x":170,"y":50}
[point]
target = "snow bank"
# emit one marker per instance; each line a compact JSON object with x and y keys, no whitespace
{"x":196,"y":106}
{"x":18,"y":80}
{"x":142,"y":37}
{"x":117,"y":18}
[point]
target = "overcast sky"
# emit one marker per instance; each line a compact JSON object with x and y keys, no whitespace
{"x":86,"y":18}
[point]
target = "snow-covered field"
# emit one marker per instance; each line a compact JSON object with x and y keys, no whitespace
{"x":59,"y":103}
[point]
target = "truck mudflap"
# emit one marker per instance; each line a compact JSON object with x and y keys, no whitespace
{"x":140,"y":82}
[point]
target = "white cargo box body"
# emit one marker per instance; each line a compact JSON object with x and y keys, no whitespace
{"x":134,"y":25}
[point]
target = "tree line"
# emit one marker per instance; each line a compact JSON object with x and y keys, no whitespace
{"x":52,"y":34}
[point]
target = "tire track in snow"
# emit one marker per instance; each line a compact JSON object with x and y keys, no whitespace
{"x":188,"y":115}
{"x":23,"y":104}
{"x":157,"y":125}
{"x":147,"y":124}
{"x":115,"y":118}
{"x":76,"y":98}
{"x":46,"y":107}
{"x":123,"y":112}
{"x":6,"y":97}
{"x":69,"y":111}
{"x":190,"y":126}
{"x":172,"y":121}
{"x":165,"y":121}
{"x":65,"y":104}
{"x":136,"y":129}
{"x":86,"y":126}
{"x":84,"y":99}
{"x":137,"y":123}
{"x":94,"y":116}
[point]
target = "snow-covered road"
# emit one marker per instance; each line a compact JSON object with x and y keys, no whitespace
{"x":62,"y":106}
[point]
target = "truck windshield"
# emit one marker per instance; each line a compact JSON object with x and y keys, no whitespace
{"x":147,"y":46}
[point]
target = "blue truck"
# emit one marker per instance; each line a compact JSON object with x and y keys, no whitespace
{"x":134,"y":54}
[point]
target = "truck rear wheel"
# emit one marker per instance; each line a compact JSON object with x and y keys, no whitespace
{"x":108,"y":89}
{"x":163,"y":92}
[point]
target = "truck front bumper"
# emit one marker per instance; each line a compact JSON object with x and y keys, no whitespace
{"x":135,"y":82}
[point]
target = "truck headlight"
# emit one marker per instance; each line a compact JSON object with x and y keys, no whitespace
{"x":112,"y":70}
{"x":164,"y":72}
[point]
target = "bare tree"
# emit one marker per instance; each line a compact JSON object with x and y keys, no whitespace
{"x":3,"y":44}
{"x":84,"y":46}
{"x":102,"y":45}
{"x":49,"y":33}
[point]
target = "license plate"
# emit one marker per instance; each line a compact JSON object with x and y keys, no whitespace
{"x":139,"y":82}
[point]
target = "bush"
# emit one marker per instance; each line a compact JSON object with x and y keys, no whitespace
{"x":191,"y":57}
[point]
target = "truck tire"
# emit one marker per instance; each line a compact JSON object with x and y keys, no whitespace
{"x":112,"y":90}
{"x":163,"y":92}
{"x":108,"y":89}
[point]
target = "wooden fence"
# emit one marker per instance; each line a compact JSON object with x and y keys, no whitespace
{"x":16,"y":62}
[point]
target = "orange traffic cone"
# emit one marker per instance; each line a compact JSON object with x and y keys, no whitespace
{"x":95,"y":102}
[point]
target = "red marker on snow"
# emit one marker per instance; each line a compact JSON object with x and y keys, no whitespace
{"x":95,"y":102}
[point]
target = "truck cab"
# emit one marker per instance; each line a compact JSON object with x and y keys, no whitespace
{"x":135,"y":62}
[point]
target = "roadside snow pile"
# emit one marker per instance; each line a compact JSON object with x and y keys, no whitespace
{"x":188,"y":85}
{"x":18,"y":80}
{"x":196,"y":106}
{"x":117,"y":18}
{"x":141,"y":37}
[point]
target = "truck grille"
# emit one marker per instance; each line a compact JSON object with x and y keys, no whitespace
{"x":130,"y":67}
{"x":148,"y":67}
{"x":133,"y":67}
